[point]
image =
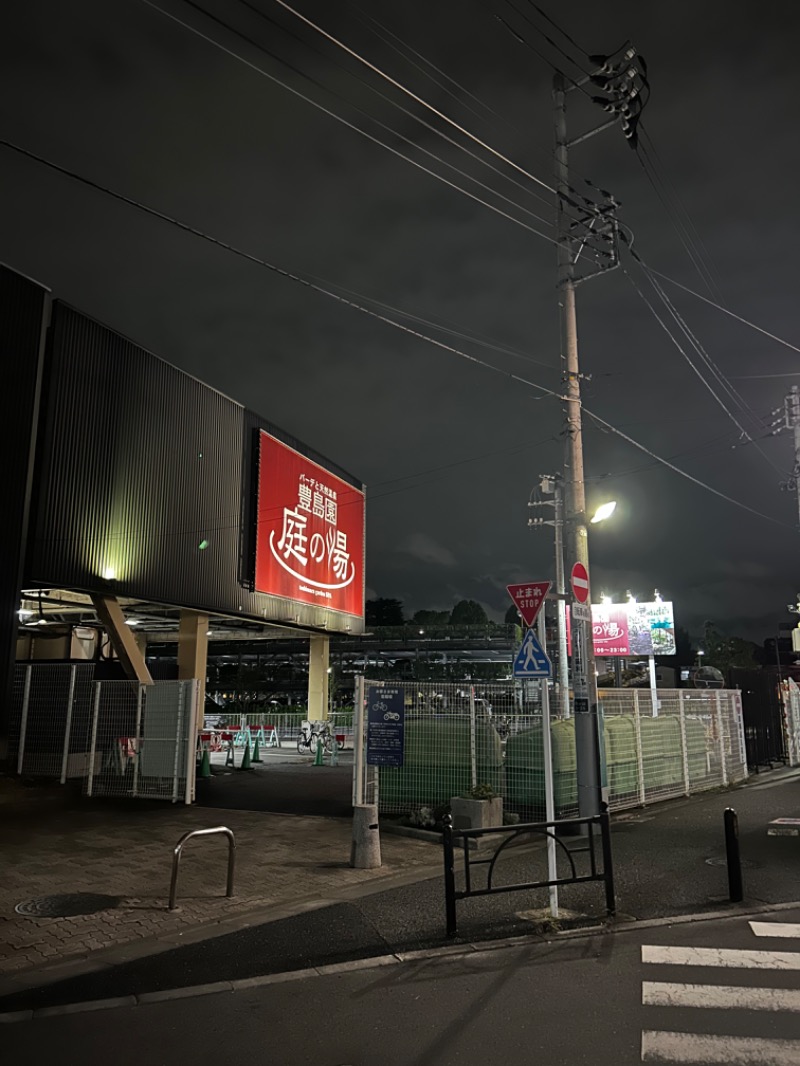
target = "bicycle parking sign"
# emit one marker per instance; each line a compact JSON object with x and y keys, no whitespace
{"x":386,"y":715}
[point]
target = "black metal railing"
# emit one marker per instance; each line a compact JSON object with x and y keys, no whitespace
{"x":509,"y":834}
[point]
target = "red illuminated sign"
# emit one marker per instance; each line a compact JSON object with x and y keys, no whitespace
{"x":310,"y":532}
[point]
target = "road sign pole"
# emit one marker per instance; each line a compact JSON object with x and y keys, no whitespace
{"x":587,"y":730}
{"x":549,"y":799}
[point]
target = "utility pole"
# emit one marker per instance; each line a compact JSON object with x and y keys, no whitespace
{"x":576,"y":540}
{"x":792,"y":408}
{"x":622,"y":77}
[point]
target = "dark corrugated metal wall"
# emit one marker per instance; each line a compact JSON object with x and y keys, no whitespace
{"x":23,"y":309}
{"x":140,"y":465}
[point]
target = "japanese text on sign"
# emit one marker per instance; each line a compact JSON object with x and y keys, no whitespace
{"x":386,"y":714}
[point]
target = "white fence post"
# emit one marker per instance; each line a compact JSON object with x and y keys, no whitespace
{"x":473,"y":755}
{"x":684,"y":746}
{"x":93,"y":744}
{"x":68,"y":726}
{"x":721,"y":731}
{"x":637,"y":725}
{"x":137,"y":740}
{"x":178,"y":728}
{"x":358,"y":742}
{"x":23,"y":726}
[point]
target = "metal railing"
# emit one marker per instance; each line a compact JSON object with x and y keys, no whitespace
{"x":509,"y":834}
{"x":176,"y":859}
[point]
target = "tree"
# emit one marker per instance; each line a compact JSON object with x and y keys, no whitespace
{"x":431,"y":618}
{"x":468,"y":613}
{"x":512,"y":616}
{"x":726,"y":653}
{"x":383,"y":612}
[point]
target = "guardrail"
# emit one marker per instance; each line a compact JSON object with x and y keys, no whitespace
{"x":510,"y":833}
{"x":176,"y":859}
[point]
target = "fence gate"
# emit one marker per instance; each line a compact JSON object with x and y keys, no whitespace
{"x":122,"y":738}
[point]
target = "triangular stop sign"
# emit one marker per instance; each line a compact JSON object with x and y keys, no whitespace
{"x":529,"y":598}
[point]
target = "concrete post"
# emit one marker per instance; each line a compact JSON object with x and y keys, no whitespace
{"x":365,"y":853}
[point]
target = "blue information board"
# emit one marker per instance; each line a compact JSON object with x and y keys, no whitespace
{"x":386,"y":714}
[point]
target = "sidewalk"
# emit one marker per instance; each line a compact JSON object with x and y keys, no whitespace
{"x":669,"y":860}
{"x":50,"y":845}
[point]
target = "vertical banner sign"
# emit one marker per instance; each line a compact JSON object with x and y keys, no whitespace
{"x":309,"y":533}
{"x":386,"y":715}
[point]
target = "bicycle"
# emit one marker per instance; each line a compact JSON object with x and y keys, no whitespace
{"x":307,"y":741}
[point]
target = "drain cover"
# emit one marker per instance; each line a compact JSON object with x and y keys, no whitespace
{"x":67,"y":906}
{"x":720,"y":860}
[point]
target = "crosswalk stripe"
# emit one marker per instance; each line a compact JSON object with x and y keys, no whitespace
{"x":713,"y":1050}
{"x":751,"y":960}
{"x":783,"y":929}
{"x":715,"y":997}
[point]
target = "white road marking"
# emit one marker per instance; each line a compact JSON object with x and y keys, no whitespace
{"x":726,"y":997}
{"x":750,"y":960}
{"x":698,"y":1048}
{"x":783,"y":929}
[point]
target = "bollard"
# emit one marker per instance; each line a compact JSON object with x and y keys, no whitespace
{"x":735,"y":889}
{"x":365,"y":852}
{"x":449,"y":876}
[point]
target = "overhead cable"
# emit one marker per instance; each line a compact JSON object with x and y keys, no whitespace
{"x":344,"y":121}
{"x":289,"y":275}
{"x":413,"y":96}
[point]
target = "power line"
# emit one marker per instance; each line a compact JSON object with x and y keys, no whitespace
{"x":755,"y":377}
{"x":745,"y":433}
{"x":427,"y":63}
{"x":413,"y":96}
{"x":725,"y":310}
{"x":371,"y":88}
{"x":655,"y":181}
{"x":692,"y":235}
{"x":186,"y":228}
{"x":683,"y":473}
{"x":340,"y":119}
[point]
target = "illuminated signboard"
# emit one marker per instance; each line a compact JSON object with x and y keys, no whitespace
{"x":631,"y":629}
{"x":310,"y":532}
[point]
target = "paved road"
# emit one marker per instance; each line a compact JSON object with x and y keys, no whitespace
{"x":705,"y":992}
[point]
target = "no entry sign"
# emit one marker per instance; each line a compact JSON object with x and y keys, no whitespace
{"x":580,"y":582}
{"x":529,"y":598}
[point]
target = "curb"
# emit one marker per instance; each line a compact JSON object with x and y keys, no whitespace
{"x":453,"y":951}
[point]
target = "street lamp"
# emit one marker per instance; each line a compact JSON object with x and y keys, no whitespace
{"x":605,"y":510}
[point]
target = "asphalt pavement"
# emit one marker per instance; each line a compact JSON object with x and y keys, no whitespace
{"x":721,"y":990}
{"x":669,"y":860}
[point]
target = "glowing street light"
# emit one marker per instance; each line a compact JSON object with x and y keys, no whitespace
{"x":605,"y":510}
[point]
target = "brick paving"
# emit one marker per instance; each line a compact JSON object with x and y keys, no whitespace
{"x":283,"y":862}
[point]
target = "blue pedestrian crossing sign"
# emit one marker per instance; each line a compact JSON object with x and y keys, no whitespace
{"x":532,"y":659}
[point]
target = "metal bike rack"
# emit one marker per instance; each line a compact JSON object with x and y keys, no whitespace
{"x":176,"y":859}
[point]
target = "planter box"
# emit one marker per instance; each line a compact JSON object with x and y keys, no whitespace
{"x":476,"y":813}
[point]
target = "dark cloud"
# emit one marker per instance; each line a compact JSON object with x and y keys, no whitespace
{"x":450,"y":450}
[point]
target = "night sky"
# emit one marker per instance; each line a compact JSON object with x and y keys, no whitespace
{"x":450,"y":450}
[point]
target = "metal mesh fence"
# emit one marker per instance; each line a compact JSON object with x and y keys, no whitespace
{"x":457,"y":738}
{"x":50,"y":711}
{"x":141,"y":740}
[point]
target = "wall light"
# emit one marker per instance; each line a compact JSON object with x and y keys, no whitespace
{"x":109,"y":574}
